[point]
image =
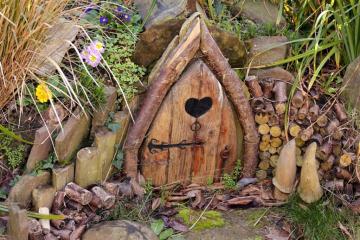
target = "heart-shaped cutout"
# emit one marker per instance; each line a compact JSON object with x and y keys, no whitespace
{"x":196,"y":108}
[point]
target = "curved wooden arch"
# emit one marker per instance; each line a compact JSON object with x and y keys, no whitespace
{"x":194,"y":36}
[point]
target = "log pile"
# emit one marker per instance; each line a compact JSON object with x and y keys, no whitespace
{"x":80,"y":207}
{"x":311,"y":117}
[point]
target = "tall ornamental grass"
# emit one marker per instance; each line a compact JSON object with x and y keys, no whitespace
{"x":23,"y":27}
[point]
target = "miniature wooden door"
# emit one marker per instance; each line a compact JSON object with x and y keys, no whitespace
{"x":193,"y":137}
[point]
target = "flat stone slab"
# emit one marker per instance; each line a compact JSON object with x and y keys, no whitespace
{"x":119,"y":230}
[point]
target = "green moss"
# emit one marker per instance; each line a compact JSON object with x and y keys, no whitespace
{"x":210,"y":219}
{"x":253,"y":217}
{"x":13,"y":151}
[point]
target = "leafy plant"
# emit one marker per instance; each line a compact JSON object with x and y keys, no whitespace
{"x":45,"y":164}
{"x":14,"y":152}
{"x":230,"y":180}
{"x":162,"y":232}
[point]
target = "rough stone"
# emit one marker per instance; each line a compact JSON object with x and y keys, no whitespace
{"x":100,"y":116}
{"x":351,"y":85}
{"x":267,"y":50}
{"x":119,"y":230}
{"x":42,"y":146}
{"x":276,"y":73}
{"x":123,"y":119}
{"x":75,"y":130}
{"x":154,"y":41}
{"x":18,"y":228}
{"x":21,"y":192}
{"x":43,"y":196}
{"x":87,"y":171}
{"x":259,"y":11}
{"x":105,"y":143}
{"x":55,"y":47}
{"x":62,"y":176}
{"x":162,"y":11}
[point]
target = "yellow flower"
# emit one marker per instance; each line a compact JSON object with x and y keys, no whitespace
{"x":43,"y":93}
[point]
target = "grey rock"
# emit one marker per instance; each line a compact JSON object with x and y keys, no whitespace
{"x":276,"y":73}
{"x":267,"y":50}
{"x":75,"y":130}
{"x":21,"y":192}
{"x":18,"y":228}
{"x":62,"y":176}
{"x":43,"y":196}
{"x":42,"y":146}
{"x":154,"y":41}
{"x":351,"y":85}
{"x":162,"y":11}
{"x":259,"y":11}
{"x":55,"y":47}
{"x":119,"y":230}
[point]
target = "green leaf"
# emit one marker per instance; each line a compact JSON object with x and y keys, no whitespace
{"x":113,"y":126}
{"x":157,"y":226}
{"x":11,"y":134}
{"x":118,"y":161}
{"x":166,"y":234}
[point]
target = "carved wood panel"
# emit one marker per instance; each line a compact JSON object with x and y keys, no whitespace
{"x":194,"y":136}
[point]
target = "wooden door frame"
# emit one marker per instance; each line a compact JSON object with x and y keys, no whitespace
{"x":194,"y":36}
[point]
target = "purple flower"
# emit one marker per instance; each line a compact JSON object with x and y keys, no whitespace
{"x":104,"y":20}
{"x":126,"y":17}
{"x":119,"y":9}
{"x":97,"y":46}
{"x":93,"y":58}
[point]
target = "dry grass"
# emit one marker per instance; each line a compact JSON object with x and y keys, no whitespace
{"x":23,"y":26}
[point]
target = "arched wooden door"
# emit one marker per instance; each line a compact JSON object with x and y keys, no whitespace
{"x":193,"y":137}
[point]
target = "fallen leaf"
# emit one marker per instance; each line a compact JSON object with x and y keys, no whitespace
{"x":156,"y":203}
{"x":198,"y":197}
{"x":240,"y":201}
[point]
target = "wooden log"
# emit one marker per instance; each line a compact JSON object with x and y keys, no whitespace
{"x":264,"y":165}
{"x":307,"y":133}
{"x":96,"y":203}
{"x":314,"y":112}
{"x":332,"y":126}
{"x":267,"y":87}
{"x":273,"y":120}
{"x":78,"y":194}
{"x":328,"y":163}
{"x":294,"y":129}
{"x":263,"y":156}
{"x":303,"y":111}
{"x":58,"y":224}
{"x":317,"y":138}
{"x":261,"y":118}
{"x":50,"y":236}
{"x":346,"y":159}
{"x":299,"y":142}
{"x":70,"y":225}
{"x":276,"y":142}
{"x":343,"y":174}
{"x":293,"y":113}
{"x":324,"y":151}
{"x":273,"y":150}
{"x":76,"y":234}
{"x":107,"y":199}
{"x":337,"y":134}
{"x":280,"y":91}
{"x":266,"y":138}
{"x":231,"y":83}
{"x":111,"y":188}
{"x":298,"y":99}
{"x":257,"y":104}
{"x":263,"y":129}
{"x":340,"y":112}
{"x":268,"y":108}
{"x":70,"y":204}
{"x":254,"y":86}
{"x":275,"y":131}
{"x":264,"y":146}
{"x":35,"y":230}
{"x":63,"y":234}
{"x":261,"y":175}
{"x":337,"y":149}
{"x":280,"y":108}
{"x":335,"y":185}
{"x":273,"y":160}
{"x":322,"y":120}
{"x":58,"y":202}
